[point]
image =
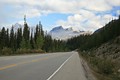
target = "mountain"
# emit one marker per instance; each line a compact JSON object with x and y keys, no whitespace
{"x":16,"y":26}
{"x":56,"y":29}
{"x":65,"y":33}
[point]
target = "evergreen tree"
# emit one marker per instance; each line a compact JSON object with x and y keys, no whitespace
{"x":26,"y":32}
{"x":36,"y":33}
{"x":47,"y":43}
{"x":19,"y":37}
{"x":39,"y":42}
{"x":39,"y":36}
{"x":15,"y":42}
{"x":23,"y":44}
{"x":2,"y":38}
{"x":12,"y":38}
{"x":41,"y":29}
{"x":7,"y":38}
{"x":32,"y":43}
{"x":26,"y":35}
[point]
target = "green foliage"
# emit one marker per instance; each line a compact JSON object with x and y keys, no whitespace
{"x":29,"y":51}
{"x":26,"y":32}
{"x":105,"y":66}
{"x":23,"y":44}
{"x":39,"y":42}
{"x":3,"y":38}
{"x":47,"y":46}
{"x":6,"y":51}
{"x":102,"y":65}
{"x":19,"y":37}
{"x":12,"y":37}
{"x":32,"y":42}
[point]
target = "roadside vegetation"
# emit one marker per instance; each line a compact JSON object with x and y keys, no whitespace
{"x":103,"y":68}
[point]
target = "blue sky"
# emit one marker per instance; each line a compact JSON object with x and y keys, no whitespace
{"x":78,"y":14}
{"x":49,"y":21}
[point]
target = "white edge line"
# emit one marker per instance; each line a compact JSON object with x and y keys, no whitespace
{"x":59,"y":68}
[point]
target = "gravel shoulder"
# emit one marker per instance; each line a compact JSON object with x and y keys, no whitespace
{"x":88,"y":72}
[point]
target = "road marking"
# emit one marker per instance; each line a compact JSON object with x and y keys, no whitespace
{"x":9,"y":66}
{"x":13,"y":65}
{"x":59,"y":68}
{"x":20,"y":63}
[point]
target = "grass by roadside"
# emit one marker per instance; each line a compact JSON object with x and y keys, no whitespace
{"x":8,"y":51}
{"x":103,"y":69}
{"x":88,"y":71}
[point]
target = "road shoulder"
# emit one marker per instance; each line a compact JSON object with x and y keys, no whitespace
{"x":87,"y":70}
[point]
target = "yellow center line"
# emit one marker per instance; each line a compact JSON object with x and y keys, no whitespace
{"x":35,"y":60}
{"x":13,"y":65}
{"x":9,"y":66}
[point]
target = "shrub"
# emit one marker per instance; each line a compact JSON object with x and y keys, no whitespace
{"x":7,"y":51}
{"x":28,"y":51}
{"x":106,"y":67}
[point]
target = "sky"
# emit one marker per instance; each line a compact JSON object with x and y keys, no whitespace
{"x":87,"y":15}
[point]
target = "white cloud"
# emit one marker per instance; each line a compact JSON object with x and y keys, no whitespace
{"x":118,"y":12}
{"x":81,"y":10}
{"x":87,"y":21}
{"x":95,"y":5}
{"x":113,"y":2}
{"x":60,"y":6}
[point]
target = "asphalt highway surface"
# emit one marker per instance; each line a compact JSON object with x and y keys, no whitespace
{"x":50,"y":66}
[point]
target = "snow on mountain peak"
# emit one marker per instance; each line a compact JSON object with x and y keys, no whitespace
{"x":56,"y":29}
{"x":65,"y":33}
{"x":17,"y":25}
{"x":69,"y":29}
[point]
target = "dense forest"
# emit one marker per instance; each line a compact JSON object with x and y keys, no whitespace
{"x":22,"y":41}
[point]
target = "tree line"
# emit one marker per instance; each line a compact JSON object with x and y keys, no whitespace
{"x":28,"y":41}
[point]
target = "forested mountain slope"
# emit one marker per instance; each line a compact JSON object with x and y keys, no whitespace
{"x":102,"y":51}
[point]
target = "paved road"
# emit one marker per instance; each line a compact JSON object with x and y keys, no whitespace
{"x":50,"y":66}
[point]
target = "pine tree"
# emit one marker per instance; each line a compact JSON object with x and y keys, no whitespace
{"x":19,"y":37}
{"x":23,"y":44}
{"x":12,"y":37}
{"x":26,"y":35}
{"x":36,"y":33}
{"x":2,"y":38}
{"x":41,"y":29}
{"x":7,"y":38}
{"x":39,"y":36}
{"x":48,"y":43}
{"x":39,"y":42}
{"x":26,"y":32}
{"x":32,"y":43}
{"x":15,"y":42}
